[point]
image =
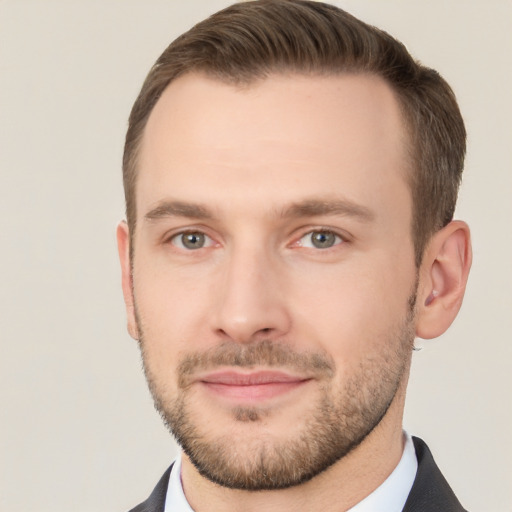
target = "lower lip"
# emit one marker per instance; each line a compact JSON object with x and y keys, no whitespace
{"x":253,"y":393}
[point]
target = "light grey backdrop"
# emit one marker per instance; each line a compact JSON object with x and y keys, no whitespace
{"x":77,"y":427}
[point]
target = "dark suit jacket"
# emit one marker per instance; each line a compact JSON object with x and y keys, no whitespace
{"x":430,"y":491}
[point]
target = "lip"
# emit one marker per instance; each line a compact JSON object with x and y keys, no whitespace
{"x":253,"y":386}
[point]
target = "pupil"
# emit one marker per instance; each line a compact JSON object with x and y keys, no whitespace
{"x":193,"y":240}
{"x":322,"y":240}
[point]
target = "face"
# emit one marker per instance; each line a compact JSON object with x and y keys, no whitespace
{"x":273,"y":271}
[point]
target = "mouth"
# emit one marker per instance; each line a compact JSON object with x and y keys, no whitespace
{"x":251,"y":387}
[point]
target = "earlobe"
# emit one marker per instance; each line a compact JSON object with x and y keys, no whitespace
{"x":444,"y":274}
{"x":123,"y":247}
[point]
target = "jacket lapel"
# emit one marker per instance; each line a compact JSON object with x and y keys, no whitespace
{"x":430,"y":491}
{"x":156,"y":501}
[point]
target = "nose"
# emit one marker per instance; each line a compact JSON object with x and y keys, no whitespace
{"x":251,"y":298}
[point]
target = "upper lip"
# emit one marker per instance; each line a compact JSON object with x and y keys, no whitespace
{"x":236,"y":378}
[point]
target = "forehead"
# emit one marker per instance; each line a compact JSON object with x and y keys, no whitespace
{"x":273,"y":138}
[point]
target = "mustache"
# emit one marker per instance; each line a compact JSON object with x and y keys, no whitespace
{"x":262,"y":353}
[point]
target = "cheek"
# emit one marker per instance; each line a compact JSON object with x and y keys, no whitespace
{"x":353,"y":313}
{"x":170,"y":314}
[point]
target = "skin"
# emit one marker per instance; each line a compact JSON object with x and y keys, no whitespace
{"x":248,"y":156}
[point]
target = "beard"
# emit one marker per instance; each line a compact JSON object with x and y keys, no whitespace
{"x":338,"y":421}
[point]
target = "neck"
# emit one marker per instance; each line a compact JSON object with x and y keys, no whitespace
{"x":339,"y":488}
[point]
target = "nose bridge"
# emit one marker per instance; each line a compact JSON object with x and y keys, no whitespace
{"x":251,"y":303}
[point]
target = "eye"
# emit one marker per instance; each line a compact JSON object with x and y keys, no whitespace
{"x":321,"y":239}
{"x":191,"y":240}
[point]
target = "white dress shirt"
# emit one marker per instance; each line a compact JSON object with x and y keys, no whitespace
{"x":390,"y":496}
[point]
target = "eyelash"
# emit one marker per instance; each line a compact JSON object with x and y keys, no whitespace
{"x":339,"y":239}
{"x":181,"y":234}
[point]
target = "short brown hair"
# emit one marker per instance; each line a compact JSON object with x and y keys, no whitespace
{"x":251,"y":40}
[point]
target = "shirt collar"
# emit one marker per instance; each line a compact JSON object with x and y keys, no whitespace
{"x":175,"y":500}
{"x":392,"y":494}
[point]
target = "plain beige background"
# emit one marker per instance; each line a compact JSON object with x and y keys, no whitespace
{"x":77,"y":428}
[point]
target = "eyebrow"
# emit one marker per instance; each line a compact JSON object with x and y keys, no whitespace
{"x":306,"y":208}
{"x":318,"y":207}
{"x":178,"y":209}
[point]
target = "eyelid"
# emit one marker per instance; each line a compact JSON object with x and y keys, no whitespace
{"x":342,"y":236}
{"x":174,"y":235}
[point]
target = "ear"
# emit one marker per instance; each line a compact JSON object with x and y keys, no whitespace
{"x":443,"y":277}
{"x":123,"y":247}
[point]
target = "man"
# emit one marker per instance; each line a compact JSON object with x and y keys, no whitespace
{"x":290,"y":177}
